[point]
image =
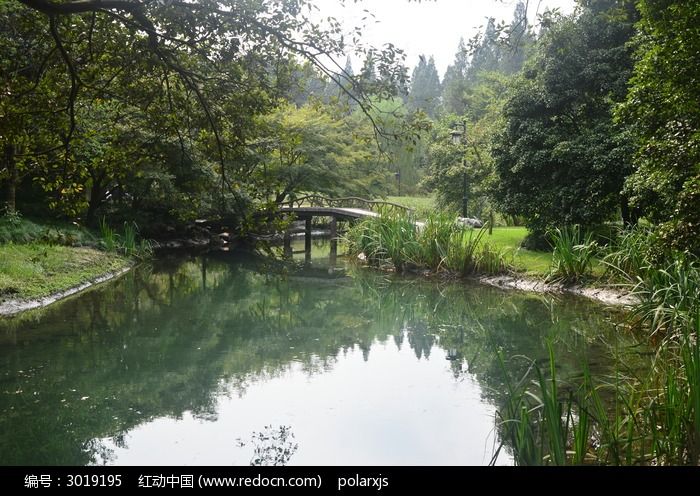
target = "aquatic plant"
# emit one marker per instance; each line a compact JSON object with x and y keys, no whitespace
{"x":108,"y":235}
{"x":439,"y":244}
{"x":629,"y":253}
{"x":127,"y":243}
{"x":652,"y":420}
{"x":572,"y":255}
{"x":667,"y":285}
{"x":389,"y":239}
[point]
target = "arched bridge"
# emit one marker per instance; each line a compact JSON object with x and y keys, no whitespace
{"x":349,"y":208}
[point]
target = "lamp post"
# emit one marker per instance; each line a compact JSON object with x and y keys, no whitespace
{"x":459,"y":131}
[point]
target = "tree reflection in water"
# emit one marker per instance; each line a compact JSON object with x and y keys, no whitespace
{"x":169,"y":339}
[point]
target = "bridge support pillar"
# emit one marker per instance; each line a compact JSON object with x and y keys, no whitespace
{"x":287,"y":245}
{"x":307,"y":240}
{"x":334,"y":240}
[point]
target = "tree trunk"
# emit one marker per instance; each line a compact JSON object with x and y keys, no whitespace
{"x":630,"y":216}
{"x":95,"y":202}
{"x":12,"y":179}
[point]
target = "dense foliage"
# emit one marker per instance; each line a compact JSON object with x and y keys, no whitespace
{"x":156,"y":110}
{"x":164,"y":112}
{"x":663,"y":109}
{"x":560,"y":158}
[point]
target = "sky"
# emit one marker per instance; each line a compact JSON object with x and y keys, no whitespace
{"x":429,"y":27}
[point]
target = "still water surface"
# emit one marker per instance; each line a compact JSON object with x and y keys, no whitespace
{"x":233,"y":360}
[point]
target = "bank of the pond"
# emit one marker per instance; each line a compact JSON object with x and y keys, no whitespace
{"x":606,"y":295}
{"x":533,"y":268}
{"x":494,"y":257}
{"x":36,"y":274}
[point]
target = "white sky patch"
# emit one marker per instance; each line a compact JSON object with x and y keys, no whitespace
{"x":429,"y":27}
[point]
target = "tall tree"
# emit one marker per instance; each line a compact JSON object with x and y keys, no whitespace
{"x":425,"y":87}
{"x":337,"y":89}
{"x":517,"y":41}
{"x":561,"y":159}
{"x":663,"y":109}
{"x":486,"y":52}
{"x":455,"y":81}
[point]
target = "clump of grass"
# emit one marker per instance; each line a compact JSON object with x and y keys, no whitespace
{"x":129,"y":243}
{"x":435,"y":239}
{"x":494,"y":260}
{"x":653,"y":420}
{"x":629,"y":253}
{"x":440,"y":244}
{"x":108,"y":236}
{"x":667,"y":285}
{"x":463,"y":251}
{"x":389,"y":239}
{"x":126,"y":243}
{"x":669,"y":297}
{"x":572,"y":255}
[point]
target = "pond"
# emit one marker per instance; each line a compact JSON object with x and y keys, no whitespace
{"x":233,"y":359}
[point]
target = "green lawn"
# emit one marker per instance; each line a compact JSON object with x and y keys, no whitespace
{"x":35,"y":270}
{"x":422,"y":205}
{"x":530,"y":262}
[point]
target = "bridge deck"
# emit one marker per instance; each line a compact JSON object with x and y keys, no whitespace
{"x":306,"y":213}
{"x":338,"y":212}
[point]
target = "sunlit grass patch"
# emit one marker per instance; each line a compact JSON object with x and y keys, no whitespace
{"x":37,"y":270}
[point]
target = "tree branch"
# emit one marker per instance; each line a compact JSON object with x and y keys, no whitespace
{"x":74,"y":86}
{"x":82,"y":6}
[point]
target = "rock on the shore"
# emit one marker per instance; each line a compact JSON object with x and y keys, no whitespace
{"x":469,"y":222}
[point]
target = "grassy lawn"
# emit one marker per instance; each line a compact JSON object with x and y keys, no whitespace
{"x":35,"y":270}
{"x":422,"y":205}
{"x":534,"y":263}
{"x":530,"y":262}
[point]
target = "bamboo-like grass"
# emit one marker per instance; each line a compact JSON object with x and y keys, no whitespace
{"x":439,"y":244}
{"x":624,"y":420}
{"x":573,"y":254}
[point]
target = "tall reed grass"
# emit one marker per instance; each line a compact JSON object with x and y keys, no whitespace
{"x":666,"y":284}
{"x":572,"y":255}
{"x":620,"y":420}
{"x":439,"y":244}
{"x":630,"y":253}
{"x":127,"y":243}
{"x":653,"y":419}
